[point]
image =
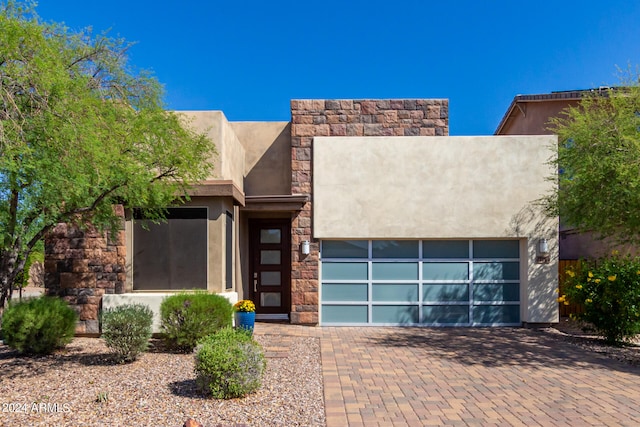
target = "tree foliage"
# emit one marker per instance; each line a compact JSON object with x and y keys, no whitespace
{"x":80,"y":130}
{"x":599,"y":164}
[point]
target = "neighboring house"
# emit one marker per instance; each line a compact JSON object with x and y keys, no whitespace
{"x":356,"y":212}
{"x":530,"y":115}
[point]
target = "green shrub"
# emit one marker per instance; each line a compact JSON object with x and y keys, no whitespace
{"x":127,"y":329}
{"x":609,"y":289}
{"x":229,"y":364}
{"x":187,"y":318}
{"x":38,"y":325}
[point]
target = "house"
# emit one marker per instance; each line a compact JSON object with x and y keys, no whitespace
{"x":355,"y":212}
{"x":530,"y":115}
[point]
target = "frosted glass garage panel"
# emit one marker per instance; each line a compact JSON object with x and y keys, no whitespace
{"x":445,"y":271}
{"x":394,"y":248}
{"x":394,"y":314}
{"x":345,"y":249}
{"x":395,"y":271}
{"x":441,"y":292}
{"x":445,"y":314}
{"x":496,"y":249}
{"x":489,"y":314}
{"x":344,"y":313}
{"x":344,"y":292}
{"x":344,"y":271}
{"x":445,"y":249}
{"x":496,"y":270}
{"x":496,"y":292}
{"x":395,"y":292}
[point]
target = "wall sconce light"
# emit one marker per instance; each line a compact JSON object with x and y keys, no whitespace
{"x":543,"y":256}
{"x":305,"y":247}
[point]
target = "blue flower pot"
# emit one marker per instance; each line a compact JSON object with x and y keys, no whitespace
{"x":245,"y":320}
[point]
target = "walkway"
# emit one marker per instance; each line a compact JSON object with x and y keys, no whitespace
{"x":467,"y":377}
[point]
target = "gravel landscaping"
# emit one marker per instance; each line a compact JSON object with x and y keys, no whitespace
{"x":81,"y":386}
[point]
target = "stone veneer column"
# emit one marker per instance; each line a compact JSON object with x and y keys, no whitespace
{"x":81,"y":266}
{"x":310,"y":118}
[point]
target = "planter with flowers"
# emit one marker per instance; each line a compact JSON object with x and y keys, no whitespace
{"x":245,"y":314}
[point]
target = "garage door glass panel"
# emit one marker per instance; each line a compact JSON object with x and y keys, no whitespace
{"x":444,"y":314}
{"x":445,"y":249}
{"x":344,"y":313}
{"x":496,"y":292}
{"x":395,"y":271}
{"x":394,"y":249}
{"x":344,"y":292}
{"x":395,"y":292}
{"x":394,"y":314}
{"x":496,"y":249}
{"x":445,"y":271}
{"x":491,"y":314}
{"x":496,"y":271}
{"x":344,"y":270}
{"x":345,"y":248}
{"x":445,"y":292}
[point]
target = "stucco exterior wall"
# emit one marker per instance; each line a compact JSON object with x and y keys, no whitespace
{"x":267,"y":146}
{"x":442,"y":187}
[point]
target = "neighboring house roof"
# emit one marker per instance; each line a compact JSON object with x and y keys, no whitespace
{"x":569,"y":95}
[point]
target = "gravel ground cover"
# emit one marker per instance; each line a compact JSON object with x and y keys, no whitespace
{"x":82,"y":386}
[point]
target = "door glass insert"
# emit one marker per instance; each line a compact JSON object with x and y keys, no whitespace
{"x":270,"y":235}
{"x":270,"y":278}
{"x":270,"y":299}
{"x":270,"y":257}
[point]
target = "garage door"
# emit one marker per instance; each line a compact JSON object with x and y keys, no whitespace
{"x":420,"y":282}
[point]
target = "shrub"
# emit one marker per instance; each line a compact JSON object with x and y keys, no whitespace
{"x":38,"y":325}
{"x":229,"y":364}
{"x":609,"y":289}
{"x":187,"y":318}
{"x":127,"y":329}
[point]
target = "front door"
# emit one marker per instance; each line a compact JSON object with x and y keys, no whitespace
{"x":270,"y":272}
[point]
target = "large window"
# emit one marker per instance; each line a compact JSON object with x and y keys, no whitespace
{"x":173,"y":254}
{"x":429,"y":282}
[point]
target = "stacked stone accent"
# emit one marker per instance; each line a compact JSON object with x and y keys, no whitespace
{"x":82,"y":266}
{"x":310,"y":118}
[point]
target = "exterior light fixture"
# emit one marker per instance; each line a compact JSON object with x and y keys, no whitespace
{"x":543,"y":255}
{"x":305,"y":247}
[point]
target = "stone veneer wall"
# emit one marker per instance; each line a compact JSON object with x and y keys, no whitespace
{"x":82,"y":266}
{"x":310,"y":118}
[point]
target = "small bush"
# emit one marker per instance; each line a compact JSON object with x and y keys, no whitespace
{"x":229,"y":364}
{"x":38,"y":325}
{"x":609,"y":289}
{"x":187,"y":318}
{"x":127,"y":329}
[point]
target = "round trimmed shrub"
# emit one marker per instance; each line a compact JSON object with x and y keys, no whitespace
{"x":187,"y":318}
{"x":229,"y":364}
{"x":38,"y":325}
{"x":127,"y":329}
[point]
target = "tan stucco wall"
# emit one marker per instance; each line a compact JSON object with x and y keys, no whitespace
{"x":229,"y":161}
{"x":442,"y":187}
{"x":267,"y":148}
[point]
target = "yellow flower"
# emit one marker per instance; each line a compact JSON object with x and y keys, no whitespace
{"x":615,"y":252}
{"x":612,"y":278}
{"x":570,"y":273}
{"x":590,"y":274}
{"x":561,"y":298}
{"x":638,"y":272}
{"x":557,"y":290}
{"x":578,"y":286}
{"x":588,"y":300}
{"x":597,"y":280}
{"x":566,"y":303}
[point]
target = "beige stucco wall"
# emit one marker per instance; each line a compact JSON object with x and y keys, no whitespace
{"x":267,"y":148}
{"x":438,"y":188}
{"x":229,"y":162}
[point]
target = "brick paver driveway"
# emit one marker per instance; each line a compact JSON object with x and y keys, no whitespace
{"x":469,"y":376}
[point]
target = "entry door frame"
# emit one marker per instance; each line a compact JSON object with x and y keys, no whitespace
{"x":256,"y":288}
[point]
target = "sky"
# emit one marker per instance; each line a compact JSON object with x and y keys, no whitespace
{"x":250,"y":58}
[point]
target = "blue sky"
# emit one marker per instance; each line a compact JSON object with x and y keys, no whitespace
{"x":250,"y":58}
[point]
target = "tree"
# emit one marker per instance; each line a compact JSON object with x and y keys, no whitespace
{"x":80,"y":131}
{"x":599,"y":164}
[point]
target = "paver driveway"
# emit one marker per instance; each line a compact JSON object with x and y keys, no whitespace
{"x":469,"y":376}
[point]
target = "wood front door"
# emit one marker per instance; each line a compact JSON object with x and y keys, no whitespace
{"x":270,"y":272}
